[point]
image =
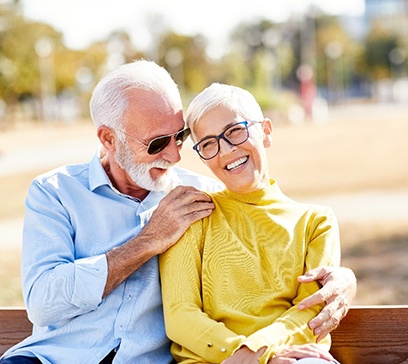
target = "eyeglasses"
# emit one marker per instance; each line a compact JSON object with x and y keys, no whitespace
{"x":158,"y":144}
{"x":235,"y":134}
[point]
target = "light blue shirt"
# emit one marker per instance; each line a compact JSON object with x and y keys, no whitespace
{"x":73,"y":217}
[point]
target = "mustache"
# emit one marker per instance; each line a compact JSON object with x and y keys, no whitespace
{"x":160,"y":163}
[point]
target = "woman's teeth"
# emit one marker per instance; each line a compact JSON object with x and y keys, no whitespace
{"x":237,"y":163}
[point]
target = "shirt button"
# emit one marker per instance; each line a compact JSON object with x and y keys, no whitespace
{"x":210,"y":345}
{"x":223,"y":350}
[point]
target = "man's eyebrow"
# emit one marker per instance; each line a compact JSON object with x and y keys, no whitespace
{"x":163,"y":135}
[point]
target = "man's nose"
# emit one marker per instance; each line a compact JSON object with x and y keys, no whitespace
{"x":172,"y":152}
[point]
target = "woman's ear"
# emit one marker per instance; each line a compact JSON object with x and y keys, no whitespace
{"x":107,"y":137}
{"x":267,"y":129}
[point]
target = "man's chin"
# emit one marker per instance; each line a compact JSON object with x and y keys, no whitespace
{"x":159,"y":184}
{"x":161,"y":180}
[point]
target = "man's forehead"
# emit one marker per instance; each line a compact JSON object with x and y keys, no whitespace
{"x":158,"y":97}
{"x":152,"y":123}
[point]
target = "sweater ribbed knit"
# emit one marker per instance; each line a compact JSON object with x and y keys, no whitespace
{"x":231,"y":280}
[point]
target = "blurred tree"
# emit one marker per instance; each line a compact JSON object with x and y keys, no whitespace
{"x":18,"y":72}
{"x":260,"y":59}
{"x":32,"y":60}
{"x":185,"y":58}
{"x":35,"y":64}
{"x":336,"y":52}
{"x":263,"y":44}
{"x":381,"y":53}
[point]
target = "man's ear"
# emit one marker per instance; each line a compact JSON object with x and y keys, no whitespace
{"x":267,"y":129}
{"x":107,"y":138}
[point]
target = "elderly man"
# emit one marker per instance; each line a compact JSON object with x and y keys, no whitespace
{"x":92,"y":232}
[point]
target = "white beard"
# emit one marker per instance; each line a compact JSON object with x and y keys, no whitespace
{"x":140,"y":172}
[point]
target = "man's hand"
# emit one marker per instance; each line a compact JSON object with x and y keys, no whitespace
{"x":292,"y":354}
{"x":339,"y":288}
{"x":176,"y":212}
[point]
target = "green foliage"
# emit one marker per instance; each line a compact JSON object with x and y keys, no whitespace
{"x":185,"y":58}
{"x":263,"y":56}
{"x":266,"y":52}
{"x":335,"y":51}
{"x":377,"y":57}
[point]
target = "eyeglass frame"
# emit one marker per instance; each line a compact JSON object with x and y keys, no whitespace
{"x":179,"y":141}
{"x":246,"y":123}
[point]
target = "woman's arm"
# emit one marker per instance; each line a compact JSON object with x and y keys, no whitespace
{"x":186,"y":322}
{"x":321,"y":237}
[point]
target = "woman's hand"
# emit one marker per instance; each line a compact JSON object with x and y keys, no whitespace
{"x":292,"y":354}
{"x":245,"y":355}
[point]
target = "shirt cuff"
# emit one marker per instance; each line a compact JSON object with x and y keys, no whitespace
{"x":90,"y":280}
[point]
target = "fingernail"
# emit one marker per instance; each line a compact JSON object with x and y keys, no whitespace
{"x":312,"y":325}
{"x":301,"y":307}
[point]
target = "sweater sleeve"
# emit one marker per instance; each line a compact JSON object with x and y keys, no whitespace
{"x":186,"y":322}
{"x":322,"y":243}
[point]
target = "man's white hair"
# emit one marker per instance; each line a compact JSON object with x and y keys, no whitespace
{"x":109,"y":99}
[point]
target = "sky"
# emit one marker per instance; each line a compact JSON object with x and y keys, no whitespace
{"x":85,"y":21}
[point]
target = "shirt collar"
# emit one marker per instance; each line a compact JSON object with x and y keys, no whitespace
{"x":97,"y":175}
{"x":98,"y":178}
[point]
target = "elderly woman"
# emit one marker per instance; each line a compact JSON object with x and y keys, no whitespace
{"x":230,"y":287}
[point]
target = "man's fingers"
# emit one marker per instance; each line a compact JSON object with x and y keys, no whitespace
{"x":328,"y":319}
{"x":324,"y":315}
{"x":339,"y":287}
{"x":183,"y":201}
{"x":320,"y":296}
{"x":316,"y":274}
{"x":322,"y":331}
{"x":184,"y":190}
{"x":176,"y":212}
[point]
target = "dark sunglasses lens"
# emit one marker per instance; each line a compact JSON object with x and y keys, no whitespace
{"x":157,"y":145}
{"x":183,"y":135}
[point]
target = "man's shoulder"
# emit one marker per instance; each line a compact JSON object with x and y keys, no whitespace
{"x":69,"y":170}
{"x":186,"y":177}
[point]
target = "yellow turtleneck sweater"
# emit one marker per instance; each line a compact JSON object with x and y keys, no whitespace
{"x":231,"y":280}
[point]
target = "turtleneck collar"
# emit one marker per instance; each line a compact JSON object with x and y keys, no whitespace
{"x":264,"y":196}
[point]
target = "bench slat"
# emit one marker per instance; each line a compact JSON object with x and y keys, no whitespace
{"x":14,"y":327}
{"x":372,"y":335}
{"x":367,"y":335}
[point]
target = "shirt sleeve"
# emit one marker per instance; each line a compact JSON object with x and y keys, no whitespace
{"x":56,"y":285}
{"x":322,"y":248}
{"x":186,"y":322}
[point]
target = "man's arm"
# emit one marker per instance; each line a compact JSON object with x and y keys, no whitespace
{"x":58,"y":285}
{"x":339,"y":288}
{"x":175,"y":213}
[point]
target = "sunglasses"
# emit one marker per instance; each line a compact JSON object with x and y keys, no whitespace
{"x":158,"y":144}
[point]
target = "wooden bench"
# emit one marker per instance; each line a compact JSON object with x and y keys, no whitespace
{"x":367,"y":335}
{"x":14,"y":327}
{"x":372,"y":335}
